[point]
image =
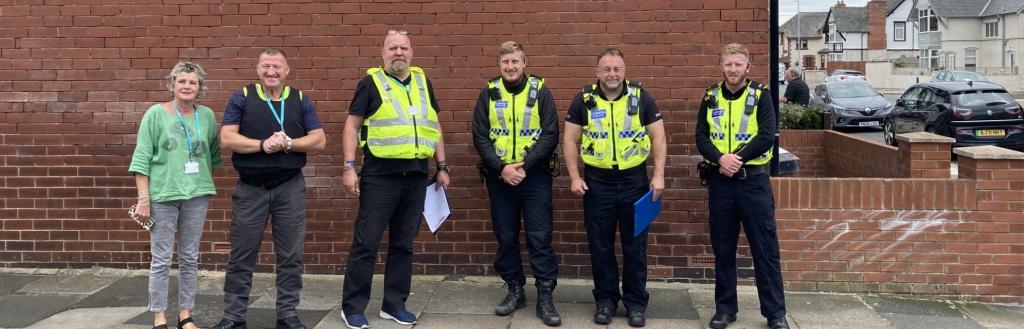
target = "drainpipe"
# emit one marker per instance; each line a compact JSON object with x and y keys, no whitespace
{"x":1002,"y":52}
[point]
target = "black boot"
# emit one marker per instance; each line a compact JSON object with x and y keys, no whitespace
{"x":545,"y":306}
{"x":516,"y":299}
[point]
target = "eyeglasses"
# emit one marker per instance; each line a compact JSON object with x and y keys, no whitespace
{"x":402,"y":32}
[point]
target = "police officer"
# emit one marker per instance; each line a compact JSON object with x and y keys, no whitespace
{"x":269,"y":127}
{"x":620,"y":125}
{"x":515,"y":131}
{"x":735,"y":134}
{"x":393,"y":119}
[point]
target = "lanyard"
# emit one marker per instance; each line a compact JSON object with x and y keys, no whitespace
{"x":188,"y":137}
{"x":279,"y":118}
{"x":400,"y":83}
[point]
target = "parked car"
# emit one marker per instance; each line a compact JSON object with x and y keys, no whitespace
{"x":851,"y":103}
{"x":973,"y":113}
{"x":962,"y":76}
{"x":841,"y":75}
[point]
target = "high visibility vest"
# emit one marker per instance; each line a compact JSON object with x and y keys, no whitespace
{"x":734,"y":123}
{"x":614,"y":136}
{"x":514,"y":119}
{"x":405,"y":125}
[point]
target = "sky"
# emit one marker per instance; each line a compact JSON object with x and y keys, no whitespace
{"x":787,"y":8}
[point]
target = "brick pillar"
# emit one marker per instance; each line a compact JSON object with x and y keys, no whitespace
{"x":999,"y":173}
{"x":924,"y":155}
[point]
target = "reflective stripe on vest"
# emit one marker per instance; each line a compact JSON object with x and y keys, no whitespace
{"x":405,"y":125}
{"x":512,"y":142}
{"x":746,"y":129}
{"x":623,"y":149}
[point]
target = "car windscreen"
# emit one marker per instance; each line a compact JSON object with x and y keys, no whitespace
{"x":850,"y":90}
{"x":968,"y":76}
{"x":977,"y":98}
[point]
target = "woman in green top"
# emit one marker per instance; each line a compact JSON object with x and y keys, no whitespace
{"x":175,"y":153}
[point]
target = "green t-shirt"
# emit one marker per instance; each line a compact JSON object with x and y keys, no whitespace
{"x":161,"y":152}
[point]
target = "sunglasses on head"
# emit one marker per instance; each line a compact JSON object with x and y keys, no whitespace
{"x":402,"y":32}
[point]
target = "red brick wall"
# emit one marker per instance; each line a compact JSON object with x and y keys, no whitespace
{"x":850,"y":156}
{"x":76,"y":78}
{"x":809,"y":146}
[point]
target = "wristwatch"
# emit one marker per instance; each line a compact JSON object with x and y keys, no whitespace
{"x":442,"y":166}
{"x":288,"y":149}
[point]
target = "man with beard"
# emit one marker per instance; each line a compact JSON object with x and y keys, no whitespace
{"x":616,"y":125}
{"x":515,"y":131}
{"x":737,"y":152}
{"x":268,"y":127}
{"x":393,"y":119}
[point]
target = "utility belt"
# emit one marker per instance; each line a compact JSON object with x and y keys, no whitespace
{"x":707,"y":169}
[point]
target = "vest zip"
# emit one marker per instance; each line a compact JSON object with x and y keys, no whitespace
{"x":513,"y":133}
{"x":728,"y":125}
{"x":611,"y":115}
{"x":415,"y":130}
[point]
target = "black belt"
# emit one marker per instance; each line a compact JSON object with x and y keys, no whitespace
{"x":747,"y":170}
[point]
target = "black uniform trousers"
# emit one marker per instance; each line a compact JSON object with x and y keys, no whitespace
{"x":607,"y":206}
{"x":392,"y":202}
{"x":530,"y":200}
{"x":749,"y":202}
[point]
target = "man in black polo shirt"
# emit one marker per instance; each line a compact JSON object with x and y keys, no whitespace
{"x":796,"y":92}
{"x":269,"y":127}
{"x":393,"y":119}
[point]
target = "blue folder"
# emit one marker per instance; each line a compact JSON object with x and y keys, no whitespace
{"x":644,"y":212}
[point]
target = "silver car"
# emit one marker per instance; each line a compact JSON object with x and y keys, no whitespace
{"x":851,"y":103}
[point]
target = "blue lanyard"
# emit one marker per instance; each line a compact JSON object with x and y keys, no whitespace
{"x":280,"y":118}
{"x":188,"y":137}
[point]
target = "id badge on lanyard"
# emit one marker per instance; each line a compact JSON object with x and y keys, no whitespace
{"x":192,"y":166}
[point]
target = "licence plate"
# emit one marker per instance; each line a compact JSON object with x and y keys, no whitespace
{"x":868,"y":123}
{"x":990,"y":132}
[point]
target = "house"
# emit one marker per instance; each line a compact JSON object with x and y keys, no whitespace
{"x":802,"y":40}
{"x":979,"y":35}
{"x":854,"y":34}
{"x":900,"y":30}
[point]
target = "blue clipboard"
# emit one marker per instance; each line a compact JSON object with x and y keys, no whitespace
{"x":644,"y":212}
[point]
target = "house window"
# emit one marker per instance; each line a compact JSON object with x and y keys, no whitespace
{"x":801,"y":45}
{"x":929,"y":22}
{"x":971,"y":57}
{"x":899,"y":31}
{"x":835,"y":57}
{"x":833,"y":35}
{"x":1011,"y":59}
{"x":992,"y":29}
{"x":930,"y":58}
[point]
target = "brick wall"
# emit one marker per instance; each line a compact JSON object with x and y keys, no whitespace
{"x":75,"y":79}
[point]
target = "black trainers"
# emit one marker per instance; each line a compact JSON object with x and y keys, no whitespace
{"x":636,"y":319}
{"x":721,"y":320}
{"x":779,"y":323}
{"x":229,"y":324}
{"x":290,"y":323}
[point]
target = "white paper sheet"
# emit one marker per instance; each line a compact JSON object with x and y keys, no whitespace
{"x":435,"y":208}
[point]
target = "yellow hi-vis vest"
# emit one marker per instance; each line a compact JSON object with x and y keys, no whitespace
{"x":734,"y":123}
{"x":514,"y":119}
{"x":614,"y":136}
{"x":405,"y":125}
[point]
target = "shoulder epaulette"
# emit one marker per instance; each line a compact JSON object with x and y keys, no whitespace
{"x":637,"y":84}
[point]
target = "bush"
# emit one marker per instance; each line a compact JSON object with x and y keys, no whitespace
{"x":793,"y":116}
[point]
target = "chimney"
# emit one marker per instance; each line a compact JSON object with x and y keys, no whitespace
{"x":840,"y":4}
{"x":876,"y":25}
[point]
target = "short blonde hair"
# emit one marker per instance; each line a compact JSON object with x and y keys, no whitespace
{"x":509,"y":47}
{"x":187,"y":67}
{"x":735,"y":49}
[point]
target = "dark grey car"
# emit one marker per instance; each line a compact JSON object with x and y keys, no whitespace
{"x":851,"y":103}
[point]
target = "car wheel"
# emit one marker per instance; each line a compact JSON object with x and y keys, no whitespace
{"x":889,"y":133}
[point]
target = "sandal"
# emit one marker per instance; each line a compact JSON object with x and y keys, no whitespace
{"x":185,"y":321}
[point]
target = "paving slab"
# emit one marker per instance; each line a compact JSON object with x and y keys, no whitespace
{"x":746,"y":298}
{"x":113,"y":317}
{"x":564,"y":293}
{"x":61,"y":284}
{"x":333,"y":319}
{"x":574,"y":315}
{"x":660,"y":324}
{"x":465,"y":298}
{"x":23,"y":310}
{"x":214,"y":285}
{"x":129,"y":291}
{"x":261,"y":318}
{"x":744,"y":319}
{"x":916,"y":321}
{"x":995,"y":316}
{"x":12,"y":282}
{"x":459,"y":321}
{"x":912,"y":306}
{"x":671,"y":304}
{"x":822,"y":311}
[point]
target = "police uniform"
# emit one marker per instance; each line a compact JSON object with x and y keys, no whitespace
{"x":614,"y":148}
{"x":515,"y":123}
{"x":268,"y":185}
{"x":400,"y":131}
{"x":741,"y":123}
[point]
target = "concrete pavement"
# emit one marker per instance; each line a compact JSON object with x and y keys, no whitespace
{"x":107,"y":298}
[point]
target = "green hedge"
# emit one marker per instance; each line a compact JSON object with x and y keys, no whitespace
{"x":794,"y":116}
